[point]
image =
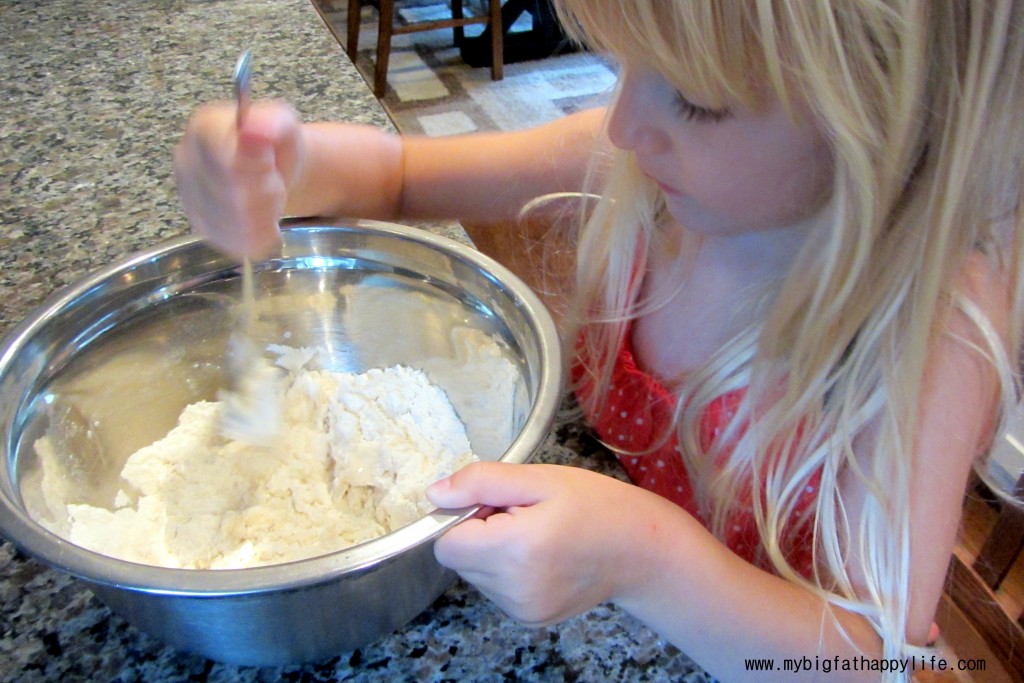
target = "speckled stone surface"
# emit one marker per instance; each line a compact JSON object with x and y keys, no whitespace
{"x":96,"y":93}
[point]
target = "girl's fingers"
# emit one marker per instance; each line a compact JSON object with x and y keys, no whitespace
{"x":484,"y":545}
{"x":475,"y":547}
{"x":233,"y":177}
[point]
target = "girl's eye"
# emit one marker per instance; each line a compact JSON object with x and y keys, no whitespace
{"x":695,"y":112}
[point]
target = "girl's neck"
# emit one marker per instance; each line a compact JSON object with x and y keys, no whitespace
{"x":758,"y":256}
{"x":701,"y":299}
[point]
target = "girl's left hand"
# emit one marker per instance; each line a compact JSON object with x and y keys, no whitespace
{"x":551,"y":541}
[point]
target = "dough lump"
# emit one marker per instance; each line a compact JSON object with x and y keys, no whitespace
{"x":351,"y":464}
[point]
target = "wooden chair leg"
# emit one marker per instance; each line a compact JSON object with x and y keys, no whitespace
{"x":1004,"y":544}
{"x":385,"y":30}
{"x":352,"y":44}
{"x":385,"y":25}
{"x":497,"y":41}
{"x":458,"y":32}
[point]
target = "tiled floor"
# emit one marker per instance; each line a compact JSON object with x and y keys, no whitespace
{"x":432,"y":91}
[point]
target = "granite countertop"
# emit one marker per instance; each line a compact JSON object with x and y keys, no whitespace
{"x":96,"y":94}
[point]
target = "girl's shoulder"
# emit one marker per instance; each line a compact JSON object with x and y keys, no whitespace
{"x":962,"y":381}
{"x":982,"y":301}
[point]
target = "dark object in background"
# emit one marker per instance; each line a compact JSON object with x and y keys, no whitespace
{"x":545,"y":39}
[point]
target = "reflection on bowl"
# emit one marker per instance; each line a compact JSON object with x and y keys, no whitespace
{"x":105,"y":367}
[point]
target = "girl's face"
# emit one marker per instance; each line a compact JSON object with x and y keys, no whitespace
{"x":722,"y":172}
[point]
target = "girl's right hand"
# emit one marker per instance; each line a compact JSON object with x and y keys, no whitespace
{"x":234,"y":181}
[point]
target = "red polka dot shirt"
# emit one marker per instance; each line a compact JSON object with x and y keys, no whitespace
{"x":636,"y":416}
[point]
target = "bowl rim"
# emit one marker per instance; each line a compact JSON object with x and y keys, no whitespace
{"x":17,"y":526}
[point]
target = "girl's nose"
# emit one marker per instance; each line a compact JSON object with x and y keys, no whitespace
{"x":632,"y":123}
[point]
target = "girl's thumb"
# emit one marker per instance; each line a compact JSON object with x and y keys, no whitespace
{"x":269,"y":137}
{"x":495,"y":484}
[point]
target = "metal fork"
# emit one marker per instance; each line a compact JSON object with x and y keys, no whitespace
{"x":251,"y":405}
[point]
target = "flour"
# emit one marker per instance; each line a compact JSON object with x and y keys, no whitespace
{"x":350,"y":464}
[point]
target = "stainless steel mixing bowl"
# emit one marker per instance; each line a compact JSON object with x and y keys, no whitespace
{"x":106,"y":365}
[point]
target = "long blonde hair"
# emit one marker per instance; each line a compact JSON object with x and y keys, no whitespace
{"x":923,"y":102}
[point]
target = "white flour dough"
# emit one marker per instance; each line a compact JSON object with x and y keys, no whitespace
{"x":351,"y":463}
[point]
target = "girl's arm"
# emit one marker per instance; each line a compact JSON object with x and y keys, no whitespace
{"x":564,"y":540}
{"x":236,"y":183}
{"x":364,"y":171}
{"x":959,"y":404}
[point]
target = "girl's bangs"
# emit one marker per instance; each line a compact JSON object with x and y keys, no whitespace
{"x":708,"y":50}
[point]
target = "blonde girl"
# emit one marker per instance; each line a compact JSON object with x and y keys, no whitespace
{"x":796,"y":313}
